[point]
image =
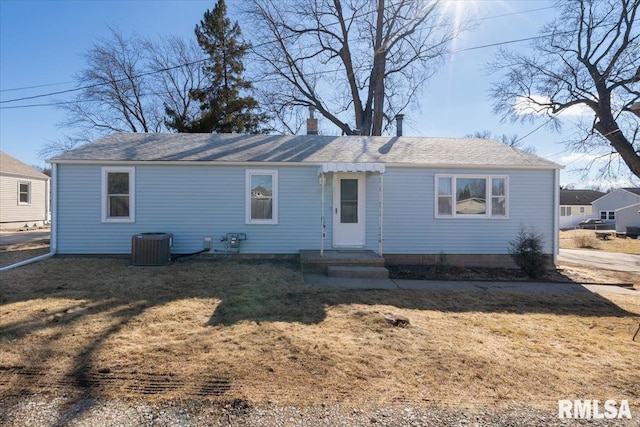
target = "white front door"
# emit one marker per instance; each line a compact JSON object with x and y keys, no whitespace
{"x":348,"y":209}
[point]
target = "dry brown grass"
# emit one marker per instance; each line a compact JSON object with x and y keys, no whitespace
{"x":253,"y":331}
{"x":580,"y":239}
{"x":585,"y":274}
{"x":11,"y":254}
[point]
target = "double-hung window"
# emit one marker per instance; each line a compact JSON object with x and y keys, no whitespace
{"x":118,"y":194}
{"x":469,"y":196}
{"x":608,"y":215}
{"x":24,"y":193}
{"x":261,"y":199}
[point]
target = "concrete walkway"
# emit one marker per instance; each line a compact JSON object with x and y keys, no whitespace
{"x":600,"y":259}
{"x":464,"y":286}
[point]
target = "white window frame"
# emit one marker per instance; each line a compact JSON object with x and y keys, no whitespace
{"x":274,"y":196}
{"x":28,"y":184}
{"x":489,"y":196}
{"x":132,"y":194}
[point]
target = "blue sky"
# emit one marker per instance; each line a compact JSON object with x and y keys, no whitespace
{"x":42,"y":42}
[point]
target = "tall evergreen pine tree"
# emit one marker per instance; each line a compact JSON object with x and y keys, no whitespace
{"x":223,"y":108}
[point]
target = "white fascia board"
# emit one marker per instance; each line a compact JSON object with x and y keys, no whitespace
{"x":552,"y":166}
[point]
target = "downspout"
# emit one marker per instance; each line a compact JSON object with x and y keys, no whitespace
{"x":556,"y":215}
{"x":380,"y":195}
{"x":47,"y":201}
{"x":54,"y":225}
{"x":322,"y":224}
{"x":53,"y":239}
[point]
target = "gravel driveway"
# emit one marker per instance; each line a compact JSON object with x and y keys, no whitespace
{"x":599,"y":259}
{"x":36,"y":411}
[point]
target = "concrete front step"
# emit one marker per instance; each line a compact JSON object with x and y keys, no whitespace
{"x":312,"y":262}
{"x":357,"y":272}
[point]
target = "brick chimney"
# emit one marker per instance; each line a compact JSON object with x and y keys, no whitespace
{"x":312,"y":123}
{"x":399,"y":118}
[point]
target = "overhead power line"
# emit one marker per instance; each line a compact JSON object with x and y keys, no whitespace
{"x":253,"y":47}
{"x":25,"y":98}
{"x":60,"y":92}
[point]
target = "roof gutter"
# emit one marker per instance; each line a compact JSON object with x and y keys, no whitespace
{"x":53,"y":241}
{"x":222,"y":163}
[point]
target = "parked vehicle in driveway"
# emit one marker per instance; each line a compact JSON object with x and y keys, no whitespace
{"x":594,"y":224}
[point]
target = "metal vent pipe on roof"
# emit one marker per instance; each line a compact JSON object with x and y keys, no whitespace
{"x":399,"y":118}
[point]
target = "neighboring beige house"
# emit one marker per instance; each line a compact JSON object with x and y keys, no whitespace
{"x":24,"y":194}
{"x":575,"y":206}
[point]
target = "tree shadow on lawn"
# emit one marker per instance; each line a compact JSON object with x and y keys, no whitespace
{"x":82,"y":288}
{"x":260,"y":291}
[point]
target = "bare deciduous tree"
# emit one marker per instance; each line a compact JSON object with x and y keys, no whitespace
{"x":358,"y":62}
{"x":590,"y":59}
{"x":511,"y":140}
{"x":128,"y":85}
{"x":178,"y":67}
{"x":116,"y":96}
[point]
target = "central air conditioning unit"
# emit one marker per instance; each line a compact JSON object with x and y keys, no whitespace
{"x":151,"y":249}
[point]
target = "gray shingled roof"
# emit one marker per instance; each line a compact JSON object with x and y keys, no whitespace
{"x":11,"y":166}
{"x":579,"y":197}
{"x":314,"y":149}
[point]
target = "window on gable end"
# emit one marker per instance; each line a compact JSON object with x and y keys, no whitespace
{"x":118,"y":194}
{"x":24,"y":193}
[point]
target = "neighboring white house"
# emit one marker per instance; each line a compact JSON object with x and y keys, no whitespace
{"x":24,"y":194}
{"x":605,"y":207}
{"x":575,"y":206}
{"x":628,"y":216}
{"x":410,"y":199}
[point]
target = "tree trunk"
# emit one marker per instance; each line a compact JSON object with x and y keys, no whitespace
{"x":379,"y":62}
{"x":609,"y":129}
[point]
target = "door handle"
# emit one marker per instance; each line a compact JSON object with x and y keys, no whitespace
{"x":336,"y":211}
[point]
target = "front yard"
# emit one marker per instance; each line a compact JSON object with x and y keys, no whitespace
{"x":253,"y":332}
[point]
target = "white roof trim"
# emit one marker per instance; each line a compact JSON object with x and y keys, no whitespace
{"x":352,"y":167}
{"x":266,"y":164}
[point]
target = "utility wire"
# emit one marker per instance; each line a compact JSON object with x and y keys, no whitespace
{"x":205,"y":59}
{"x":148,"y":73}
{"x":252,"y":47}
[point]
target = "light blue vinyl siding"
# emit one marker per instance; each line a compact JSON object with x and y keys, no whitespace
{"x":410,"y":226}
{"x":193,"y":201}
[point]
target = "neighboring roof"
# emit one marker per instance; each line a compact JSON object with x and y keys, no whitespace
{"x":635,"y":206}
{"x":579,"y":197}
{"x":634,"y":191}
{"x":11,"y":166}
{"x":314,"y":149}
